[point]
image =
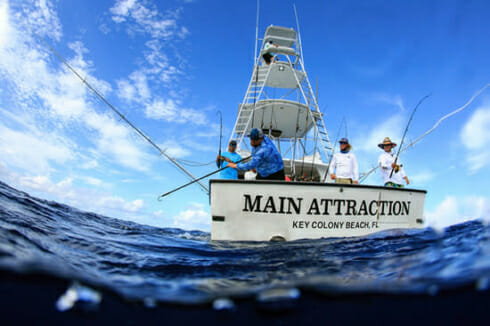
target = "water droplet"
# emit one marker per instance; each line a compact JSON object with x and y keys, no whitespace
{"x":78,"y":293}
{"x":278,"y":294}
{"x":278,"y":299}
{"x":223,"y":304}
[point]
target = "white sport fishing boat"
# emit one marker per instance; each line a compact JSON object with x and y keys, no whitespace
{"x":281,"y":102}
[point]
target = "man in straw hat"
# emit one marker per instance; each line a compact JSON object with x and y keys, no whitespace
{"x":387,"y":163}
{"x":343,"y":167}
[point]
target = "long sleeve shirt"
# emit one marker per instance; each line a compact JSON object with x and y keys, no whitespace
{"x":345,"y":166}
{"x":266,"y":159}
{"x":384,"y":162}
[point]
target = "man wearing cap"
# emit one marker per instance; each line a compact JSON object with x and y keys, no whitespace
{"x":343,"y":167}
{"x":387,"y":163}
{"x":227,"y":158}
{"x":266,"y":159}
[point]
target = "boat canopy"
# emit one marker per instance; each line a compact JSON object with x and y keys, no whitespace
{"x":279,"y":75}
{"x":282,"y":118}
{"x":281,"y":36}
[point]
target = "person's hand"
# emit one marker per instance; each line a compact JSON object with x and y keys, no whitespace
{"x":231,"y":165}
{"x":408,"y":181}
{"x":395,"y":167}
{"x":332,"y":176}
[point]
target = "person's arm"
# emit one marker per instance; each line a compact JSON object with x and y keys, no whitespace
{"x":355,"y":169}
{"x":403,"y":175}
{"x":257,"y":158}
{"x":331,"y":168}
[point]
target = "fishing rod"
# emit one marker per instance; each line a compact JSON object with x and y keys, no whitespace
{"x":119,"y":113}
{"x":220,"y":137}
{"x":198,"y":179}
{"x":477,"y":93}
{"x":333,"y":147}
{"x":406,"y":129}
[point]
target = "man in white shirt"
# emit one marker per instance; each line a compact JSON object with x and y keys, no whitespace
{"x":343,"y":167}
{"x":387,"y":163}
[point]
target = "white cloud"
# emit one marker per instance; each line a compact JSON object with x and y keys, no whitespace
{"x":92,"y":181}
{"x":62,"y":191}
{"x":143,"y":19}
{"x":4,"y":23}
{"x":117,"y":141}
{"x":394,"y":100}
{"x":422,"y":177}
{"x":35,"y":151}
{"x":65,"y":191}
{"x":121,"y":10}
{"x":170,"y":110}
{"x":59,"y":104}
{"x":390,"y":127}
{"x":194,"y":217}
{"x":41,"y":18}
{"x":175,"y":150}
{"x":134,"y":89}
{"x":475,"y":137}
{"x":455,"y":210}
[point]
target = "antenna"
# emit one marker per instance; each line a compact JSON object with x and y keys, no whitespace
{"x":256,"y":31}
{"x":299,"y":33}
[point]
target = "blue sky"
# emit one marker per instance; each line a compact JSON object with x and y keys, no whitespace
{"x":170,"y":66}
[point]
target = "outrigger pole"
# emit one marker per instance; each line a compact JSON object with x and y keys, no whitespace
{"x":122,"y":116}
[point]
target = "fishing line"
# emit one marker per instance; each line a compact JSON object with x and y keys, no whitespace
{"x":477,"y":93}
{"x":406,"y":129}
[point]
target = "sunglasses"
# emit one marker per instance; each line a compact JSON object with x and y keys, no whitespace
{"x":342,"y":142}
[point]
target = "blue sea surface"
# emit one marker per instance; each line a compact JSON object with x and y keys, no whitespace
{"x":171,"y":265}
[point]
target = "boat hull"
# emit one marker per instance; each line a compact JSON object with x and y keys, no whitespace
{"x":266,"y":210}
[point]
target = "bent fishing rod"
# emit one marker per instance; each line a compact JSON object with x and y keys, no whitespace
{"x":198,"y":179}
{"x":171,"y":159}
{"x":220,"y":137}
{"x":406,"y":129}
{"x":475,"y":95}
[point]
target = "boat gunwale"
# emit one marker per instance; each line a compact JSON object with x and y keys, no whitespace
{"x":317,"y":184}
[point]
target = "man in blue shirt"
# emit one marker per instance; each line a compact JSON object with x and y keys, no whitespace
{"x":226,"y":158}
{"x":266,"y":159}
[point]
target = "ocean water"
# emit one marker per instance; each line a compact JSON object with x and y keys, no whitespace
{"x":176,"y":266}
